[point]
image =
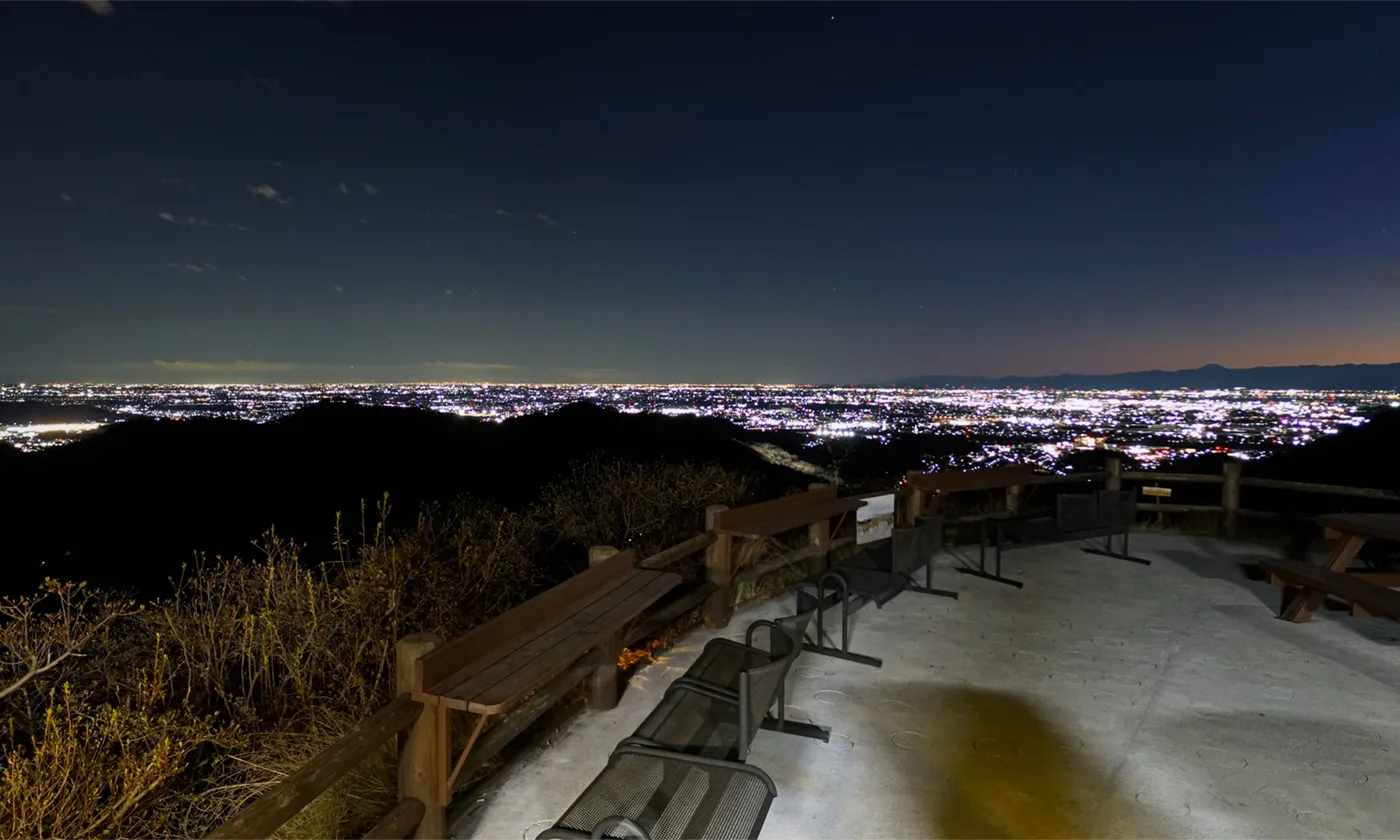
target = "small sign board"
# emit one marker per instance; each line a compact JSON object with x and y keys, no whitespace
{"x":1159,"y":492}
{"x":875,"y":519}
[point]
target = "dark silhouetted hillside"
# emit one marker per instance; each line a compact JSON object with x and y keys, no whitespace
{"x":126,"y":506}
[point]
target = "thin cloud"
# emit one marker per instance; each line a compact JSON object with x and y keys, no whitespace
{"x":185,"y":268}
{"x":265,"y":81}
{"x":451,"y":217}
{"x":242,"y":279}
{"x":212,"y":268}
{"x":101,"y":7}
{"x":240,"y":228}
{"x":544,"y":220}
{"x":276,"y":163}
{"x":505,"y":213}
{"x":343,"y":189}
{"x":370,"y":189}
{"x":184,"y":221}
{"x":447,"y":292}
{"x":269,"y":192}
{"x":337,"y":289}
{"x":467,"y":366}
{"x":65,"y":198}
{"x":241,"y":366}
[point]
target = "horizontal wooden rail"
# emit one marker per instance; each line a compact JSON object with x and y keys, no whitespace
{"x":668,"y":556}
{"x":1057,"y":478}
{"x":1188,"y":478}
{"x":801,"y":555}
{"x":400,"y":822}
{"x":656,"y":622}
{"x":272,"y":810}
{"x":1328,"y":489}
{"x":1153,"y":506}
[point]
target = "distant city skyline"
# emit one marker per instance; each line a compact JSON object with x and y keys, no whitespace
{"x":757,"y":193}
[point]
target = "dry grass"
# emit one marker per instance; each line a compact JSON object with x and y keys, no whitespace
{"x":203,"y":700}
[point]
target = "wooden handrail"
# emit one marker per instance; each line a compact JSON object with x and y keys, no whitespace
{"x":271,"y":811}
{"x":667,"y":556}
{"x":1187,"y":478}
{"x":1329,"y":489}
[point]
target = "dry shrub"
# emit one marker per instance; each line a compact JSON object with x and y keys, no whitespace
{"x":643,"y":506}
{"x":106,"y":768}
{"x":205,"y":699}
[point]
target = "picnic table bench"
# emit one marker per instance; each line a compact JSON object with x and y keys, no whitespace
{"x":1306,"y":585}
{"x":1365,"y":590}
{"x":496,"y":665}
{"x":1078,"y":516}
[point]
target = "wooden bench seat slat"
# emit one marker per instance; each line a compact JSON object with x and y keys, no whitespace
{"x":1376,"y":600}
{"x":459,"y":688}
{"x":760,"y":524}
{"x":524,"y":680}
{"x":497,"y":637}
{"x":491,"y":690}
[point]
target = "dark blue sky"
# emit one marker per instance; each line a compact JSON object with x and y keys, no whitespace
{"x":711,"y":192}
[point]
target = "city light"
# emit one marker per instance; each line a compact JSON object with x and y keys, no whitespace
{"x":1035,"y":425}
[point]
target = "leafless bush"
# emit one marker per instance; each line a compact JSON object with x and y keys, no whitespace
{"x":643,"y":506}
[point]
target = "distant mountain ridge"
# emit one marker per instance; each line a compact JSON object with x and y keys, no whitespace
{"x":1209,"y":377}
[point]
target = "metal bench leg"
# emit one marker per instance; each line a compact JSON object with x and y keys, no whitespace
{"x":843,"y":652}
{"x":928,"y":588}
{"x":981,"y":570}
{"x":1107,"y":551}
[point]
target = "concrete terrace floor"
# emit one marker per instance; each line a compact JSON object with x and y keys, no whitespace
{"x":1106,"y":699}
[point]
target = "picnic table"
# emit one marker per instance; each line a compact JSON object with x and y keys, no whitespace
{"x":1349,"y":532}
{"x":493,"y":667}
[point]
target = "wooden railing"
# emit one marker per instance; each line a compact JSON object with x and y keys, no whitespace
{"x":421,"y":811}
{"x":923,"y":490}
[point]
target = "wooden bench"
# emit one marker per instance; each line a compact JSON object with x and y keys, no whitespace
{"x":1348,"y":532}
{"x":1311,"y":584}
{"x":495,"y":666}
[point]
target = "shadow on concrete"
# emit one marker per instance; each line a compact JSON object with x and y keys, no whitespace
{"x":998,"y":767}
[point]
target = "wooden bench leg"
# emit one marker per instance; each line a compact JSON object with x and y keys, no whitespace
{"x":1358,"y":611}
{"x":1304,"y":602}
{"x":603,"y":682}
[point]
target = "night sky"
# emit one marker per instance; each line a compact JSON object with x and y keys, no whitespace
{"x":239,"y":192}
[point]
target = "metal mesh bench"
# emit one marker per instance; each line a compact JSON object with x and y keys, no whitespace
{"x":658,"y":795}
{"x":908,"y":550}
{"x":721,"y":702}
{"x":1078,"y":516}
{"x":849,"y":587}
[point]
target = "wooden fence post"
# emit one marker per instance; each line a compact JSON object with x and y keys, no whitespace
{"x":1230,"y":496}
{"x":818,"y":536}
{"x":1114,"y":467}
{"x":719,"y":570}
{"x":913,"y":501}
{"x":418,"y":758}
{"x":1013,"y":499}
